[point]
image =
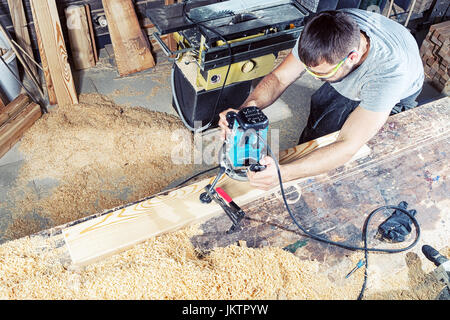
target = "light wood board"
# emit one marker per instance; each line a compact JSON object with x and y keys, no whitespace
{"x":131,"y":47}
{"x":46,"y":15}
{"x":47,"y":76}
{"x":124,"y":227}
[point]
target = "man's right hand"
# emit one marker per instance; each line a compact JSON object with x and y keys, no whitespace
{"x":223,"y":123}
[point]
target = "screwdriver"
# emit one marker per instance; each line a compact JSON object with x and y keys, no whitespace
{"x":358,"y":265}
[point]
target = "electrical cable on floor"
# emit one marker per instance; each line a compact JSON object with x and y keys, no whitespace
{"x":196,"y":175}
{"x":365,"y":248}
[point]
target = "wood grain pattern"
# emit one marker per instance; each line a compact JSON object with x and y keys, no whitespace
{"x":47,"y":76}
{"x":124,"y":227}
{"x":81,"y":45}
{"x":12,"y":131}
{"x":52,"y":38}
{"x":21,"y":30}
{"x":91,"y":31}
{"x":131,"y":47}
{"x":170,"y":41}
{"x":13,"y":108}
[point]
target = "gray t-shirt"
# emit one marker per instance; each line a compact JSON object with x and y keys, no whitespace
{"x":393,"y":68}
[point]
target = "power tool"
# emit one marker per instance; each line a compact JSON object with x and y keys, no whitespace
{"x":221,"y":47}
{"x":397,"y":227}
{"x":442,"y":272}
{"x":241,"y":151}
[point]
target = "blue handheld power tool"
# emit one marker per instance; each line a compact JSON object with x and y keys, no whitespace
{"x":240,"y":152}
{"x":246,"y":145}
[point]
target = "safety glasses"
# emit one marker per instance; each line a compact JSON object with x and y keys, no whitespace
{"x":331,"y":73}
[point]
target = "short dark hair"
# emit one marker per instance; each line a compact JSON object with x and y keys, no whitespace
{"x":329,"y":36}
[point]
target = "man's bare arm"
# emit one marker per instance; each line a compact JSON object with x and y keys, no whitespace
{"x":275,"y":83}
{"x":359,"y":128}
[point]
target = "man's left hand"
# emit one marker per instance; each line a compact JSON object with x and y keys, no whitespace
{"x":267,"y":178}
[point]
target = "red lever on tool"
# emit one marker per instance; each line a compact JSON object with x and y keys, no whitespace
{"x":224,"y":195}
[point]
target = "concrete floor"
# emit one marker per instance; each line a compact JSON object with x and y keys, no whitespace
{"x":151,"y":89}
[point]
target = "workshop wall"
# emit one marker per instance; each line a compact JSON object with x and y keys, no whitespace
{"x":101,"y":33}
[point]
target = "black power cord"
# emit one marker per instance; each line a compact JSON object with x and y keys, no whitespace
{"x":365,"y":248}
{"x":196,"y":175}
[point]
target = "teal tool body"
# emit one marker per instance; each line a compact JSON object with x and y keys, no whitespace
{"x":247,"y":142}
{"x":241,"y":151}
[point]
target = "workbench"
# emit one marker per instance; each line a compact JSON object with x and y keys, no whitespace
{"x":409,"y":161}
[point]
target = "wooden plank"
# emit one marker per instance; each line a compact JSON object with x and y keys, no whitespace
{"x":47,"y":76}
{"x":21,"y":30}
{"x":52,"y":38}
{"x":80,"y":39}
{"x":127,"y":226}
{"x":12,"y":131}
{"x":91,"y":31}
{"x":131,"y":47}
{"x":170,"y":41}
{"x":13,"y":108}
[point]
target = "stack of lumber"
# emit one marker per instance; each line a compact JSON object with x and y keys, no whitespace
{"x":435,"y":53}
{"x":15,"y":119}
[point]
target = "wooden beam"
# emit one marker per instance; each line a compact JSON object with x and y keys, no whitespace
{"x":81,"y":45}
{"x":131,"y":47}
{"x":91,"y":31}
{"x":170,"y":41}
{"x":13,"y":108}
{"x":47,"y":76}
{"x":124,"y":227}
{"x":12,"y":131}
{"x":46,"y":14}
{"x":21,"y":30}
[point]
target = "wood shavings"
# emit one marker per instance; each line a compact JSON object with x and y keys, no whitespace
{"x":98,"y":155}
{"x":166,"y":267}
{"x":66,"y":145}
{"x":169,"y":267}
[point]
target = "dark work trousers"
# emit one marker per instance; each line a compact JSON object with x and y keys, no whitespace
{"x":329,"y":110}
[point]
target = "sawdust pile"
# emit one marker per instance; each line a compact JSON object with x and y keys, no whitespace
{"x":98,"y":155}
{"x":165,"y":267}
{"x":169,"y":267}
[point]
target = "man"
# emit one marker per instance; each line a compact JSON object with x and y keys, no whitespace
{"x":371,"y":67}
